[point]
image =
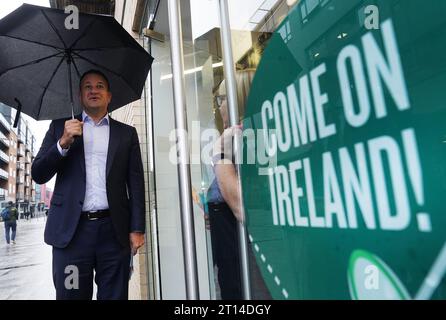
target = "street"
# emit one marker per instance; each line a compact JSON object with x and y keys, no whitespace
{"x":25,"y":267}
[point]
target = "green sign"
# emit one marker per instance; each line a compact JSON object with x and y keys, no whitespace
{"x":347,"y":120}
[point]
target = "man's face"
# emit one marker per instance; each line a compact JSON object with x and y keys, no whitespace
{"x":94,"y":94}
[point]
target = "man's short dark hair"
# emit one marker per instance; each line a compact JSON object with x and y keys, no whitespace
{"x":10,"y":203}
{"x":99,"y":73}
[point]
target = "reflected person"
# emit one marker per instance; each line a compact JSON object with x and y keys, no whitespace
{"x":224,"y":201}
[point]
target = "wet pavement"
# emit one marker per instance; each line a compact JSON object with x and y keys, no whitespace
{"x":25,"y":267}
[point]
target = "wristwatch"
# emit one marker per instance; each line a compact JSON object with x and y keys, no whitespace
{"x":217,"y":157}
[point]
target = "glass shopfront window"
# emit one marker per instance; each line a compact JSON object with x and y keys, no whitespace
{"x":338,"y":177}
{"x":165,"y":182}
{"x":217,"y":192}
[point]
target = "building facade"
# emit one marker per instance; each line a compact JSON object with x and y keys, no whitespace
{"x":18,"y":148}
{"x":17,"y":151}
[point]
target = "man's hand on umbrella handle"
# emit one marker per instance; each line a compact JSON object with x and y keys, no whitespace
{"x":72,"y":129}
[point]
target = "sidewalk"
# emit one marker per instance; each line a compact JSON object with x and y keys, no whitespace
{"x":25,"y":268}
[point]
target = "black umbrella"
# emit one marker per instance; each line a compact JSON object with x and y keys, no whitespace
{"x":41,"y":61}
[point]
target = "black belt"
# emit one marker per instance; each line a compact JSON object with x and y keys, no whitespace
{"x":96,"y":214}
{"x":210,"y":203}
{"x":218,"y":205}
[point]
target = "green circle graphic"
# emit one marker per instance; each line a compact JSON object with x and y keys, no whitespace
{"x":384,"y":272}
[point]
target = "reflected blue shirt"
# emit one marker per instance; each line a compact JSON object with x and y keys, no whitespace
{"x":214,"y":193}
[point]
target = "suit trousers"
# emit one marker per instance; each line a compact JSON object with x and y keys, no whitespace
{"x":226,"y":255}
{"x":225,"y":250}
{"x":94,"y":248}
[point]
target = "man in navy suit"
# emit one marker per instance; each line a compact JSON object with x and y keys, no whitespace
{"x":96,"y":219}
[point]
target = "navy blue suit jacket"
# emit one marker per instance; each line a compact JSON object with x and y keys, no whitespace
{"x":125,"y":182}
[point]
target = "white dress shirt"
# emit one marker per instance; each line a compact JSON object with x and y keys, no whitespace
{"x":96,"y":138}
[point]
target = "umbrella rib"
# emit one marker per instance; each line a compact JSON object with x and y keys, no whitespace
{"x":29,"y":63}
{"x":105,"y":68}
{"x":75,"y":68}
{"x":47,"y":85}
{"x":32,"y":41}
{"x":102,"y":48}
{"x":54,"y":28}
{"x":83,"y":33}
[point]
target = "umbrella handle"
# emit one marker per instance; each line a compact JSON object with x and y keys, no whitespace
{"x":72,"y":110}
{"x":19,"y":110}
{"x":70,"y":84}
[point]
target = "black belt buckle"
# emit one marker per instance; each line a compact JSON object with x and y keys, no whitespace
{"x":90,"y":217}
{"x":96,"y":214}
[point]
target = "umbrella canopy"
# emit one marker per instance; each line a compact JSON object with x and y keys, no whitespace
{"x":41,"y":61}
